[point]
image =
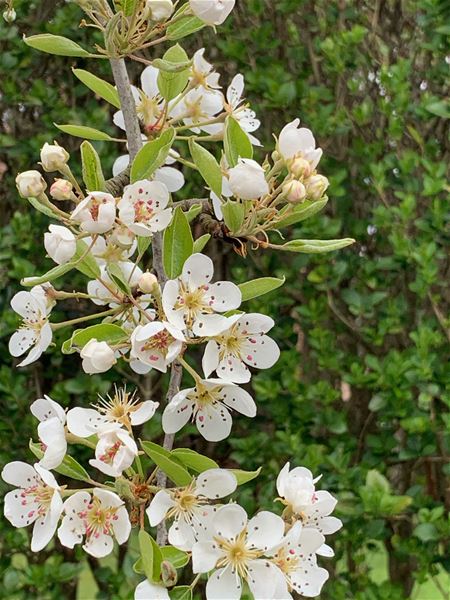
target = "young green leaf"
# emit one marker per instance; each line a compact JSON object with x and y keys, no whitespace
{"x":99,"y":86}
{"x":193,"y":212}
{"x":315,"y":246}
{"x":233,"y":215}
{"x":177,"y":473}
{"x":170,"y":84}
{"x":69,"y":466}
{"x":236,"y":142}
{"x":178,"y":244}
{"x":181,"y":592}
{"x":88,"y":133}
{"x":201,"y":242}
{"x":259,"y":287}
{"x":91,"y":168}
{"x":150,"y":555}
{"x":116,"y":274}
{"x":301,"y":212}
{"x":245,"y":476}
{"x":104,"y":332}
{"x":55,"y":44}
{"x":208,"y":166}
{"x":151,"y":156}
{"x":169,"y":66}
{"x":84,"y":261}
{"x":178,"y":558}
{"x":46,"y":210}
{"x":51,"y":275}
{"x":184,"y":27}
{"x":193,"y":460}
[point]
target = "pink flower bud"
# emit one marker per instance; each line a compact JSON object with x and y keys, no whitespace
{"x":61,"y":189}
{"x":316,"y":187}
{"x":300,"y":168}
{"x":295,"y":191}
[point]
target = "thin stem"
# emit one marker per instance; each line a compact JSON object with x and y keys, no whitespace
{"x":189,"y":369}
{"x":106,"y":313}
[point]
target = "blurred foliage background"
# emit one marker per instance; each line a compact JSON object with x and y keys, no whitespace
{"x":362,"y":390}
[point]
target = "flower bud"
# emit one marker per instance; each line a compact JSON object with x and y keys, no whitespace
{"x":169,"y":574}
{"x":147,"y":283}
{"x":300,"y":168}
{"x":316,"y":186}
{"x":212,"y":12}
{"x":97,"y":357}
{"x":160,"y":10}
{"x":61,"y":189}
{"x":248,"y":180}
{"x":30,"y":184}
{"x":60,"y":244}
{"x":294,"y":191}
{"x":10,"y":15}
{"x":53,"y":157}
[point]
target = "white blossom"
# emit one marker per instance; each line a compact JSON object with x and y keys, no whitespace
{"x":295,"y":141}
{"x":203,"y":73}
{"x":96,"y":213}
{"x":53,"y":157}
{"x":160,"y":10}
{"x":149,"y":102}
{"x":294,"y":191}
{"x":35,"y":332}
{"x":235,"y":554}
{"x":97,"y":357}
{"x":248,"y":180}
{"x":98,"y":518}
{"x":316,"y":186}
{"x":51,"y":431}
{"x":172,"y":178}
{"x":61,"y":189}
{"x":115,"y":451}
{"x":298,"y":492}
{"x":110,"y":294}
{"x":198,"y":106}
{"x":30,"y":184}
{"x":147,"y":590}
{"x":212,"y":12}
{"x":37,"y":500}
{"x":242,"y":344}
{"x":60,"y":244}
{"x":192,"y":301}
{"x":189,"y":507}
{"x":210,"y":404}
{"x":143,"y":207}
{"x":155,"y":345}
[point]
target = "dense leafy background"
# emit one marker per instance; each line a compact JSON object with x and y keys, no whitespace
{"x":361,"y":393}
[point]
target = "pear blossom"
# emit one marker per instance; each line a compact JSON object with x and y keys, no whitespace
{"x":197,"y":106}
{"x":30,"y":184}
{"x":110,"y":293}
{"x":147,"y":283}
{"x":316,"y":186}
{"x":99,"y":518}
{"x":148,"y":100}
{"x":143,"y":207}
{"x":295,"y":557}
{"x":53,"y":157}
{"x":212,"y":12}
{"x":295,"y":141}
{"x":189,"y":507}
{"x":235,"y":552}
{"x":242,"y":344}
{"x":248,"y":180}
{"x":294,"y":191}
{"x":35,"y":332}
{"x":203,"y":73}
{"x":96,"y":213}
{"x":192,"y":301}
{"x":51,"y":431}
{"x":155,"y":345}
{"x":37,"y":500}
{"x":122,"y":409}
{"x":60,"y":244}
{"x":147,"y":590}
{"x":115,"y":451}
{"x":210,"y":403}
{"x":61,"y":189}
{"x":297,"y":491}
{"x":172,"y":178}
{"x":97,"y":357}
{"x":160,"y":10}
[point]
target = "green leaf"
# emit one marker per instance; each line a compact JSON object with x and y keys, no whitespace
{"x":99,"y":86}
{"x":236,"y":142}
{"x":302,"y":212}
{"x":181,"y":592}
{"x":178,"y":558}
{"x":426,"y":532}
{"x":259,"y":287}
{"x":440,"y":108}
{"x":177,"y":473}
{"x":55,"y":44}
{"x":233,"y":215}
{"x":51,"y":275}
{"x":193,"y":460}
{"x":152,"y":156}
{"x":103,"y":332}
{"x":143,"y":244}
{"x":201,"y":242}
{"x":126,"y":6}
{"x":208,"y":166}
{"x":88,"y":265}
{"x":150,"y":555}
{"x":193,"y":212}
{"x":171,"y":67}
{"x":244,"y":476}
{"x":91,"y":168}
{"x":88,"y":133}
{"x":171,"y":84}
{"x":69,"y":466}
{"x":116,"y":274}
{"x":178,"y":244}
{"x":46,"y":210}
{"x":315,"y":246}
{"x":184,"y":27}
{"x":375,"y":480}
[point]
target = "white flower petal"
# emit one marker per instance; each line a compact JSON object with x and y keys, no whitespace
{"x":214,"y":422}
{"x":265,"y":530}
{"x":158,"y":508}
{"x":99,"y":546}
{"x":84,"y":422}
{"x":122,"y":526}
{"x":20,"y":473}
{"x":261,"y":355}
{"x":178,"y":412}
{"x":172,"y":178}
{"x":224,"y":296}
{"x":198,"y":270}
{"x":229,"y":521}
{"x":262,"y":579}
{"x":205,"y":556}
{"x":144,"y":413}
{"x":150,"y":591}
{"x":238,"y":399}
{"x":224,"y":585}
{"x":216,"y":483}
{"x":210,"y":358}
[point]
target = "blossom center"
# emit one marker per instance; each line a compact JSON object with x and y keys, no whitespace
{"x":237,"y":553}
{"x":98,"y":519}
{"x":148,"y":109}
